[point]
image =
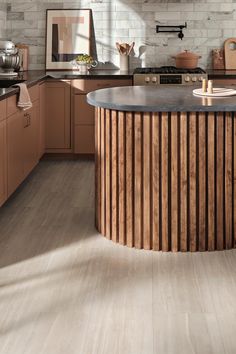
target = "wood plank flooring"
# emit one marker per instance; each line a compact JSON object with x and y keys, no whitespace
{"x":64,"y":289}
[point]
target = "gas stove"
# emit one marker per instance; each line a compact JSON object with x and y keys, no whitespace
{"x":168,"y":75}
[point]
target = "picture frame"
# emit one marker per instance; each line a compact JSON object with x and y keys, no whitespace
{"x":68,"y":34}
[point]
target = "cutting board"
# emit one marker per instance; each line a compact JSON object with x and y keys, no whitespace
{"x":218,"y":59}
{"x":217,"y":92}
{"x":230,"y":54}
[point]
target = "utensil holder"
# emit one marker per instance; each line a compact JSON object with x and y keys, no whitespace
{"x":124,"y":62}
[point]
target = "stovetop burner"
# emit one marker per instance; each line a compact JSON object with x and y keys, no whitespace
{"x":168,"y":70}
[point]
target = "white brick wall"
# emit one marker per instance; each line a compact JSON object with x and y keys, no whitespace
{"x":210,"y":22}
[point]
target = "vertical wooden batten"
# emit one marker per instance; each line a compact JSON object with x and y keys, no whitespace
{"x":166,"y":181}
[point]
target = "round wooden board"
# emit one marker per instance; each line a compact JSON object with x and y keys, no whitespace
{"x":217,"y":92}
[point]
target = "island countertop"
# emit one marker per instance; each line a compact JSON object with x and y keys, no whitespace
{"x":158,"y":99}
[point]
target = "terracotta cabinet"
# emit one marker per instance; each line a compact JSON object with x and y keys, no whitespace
{"x":58,"y":117}
{"x":42,"y":121}
{"x":22,"y":140}
{"x":15,"y":150}
{"x":83,"y":113}
{"x":3,"y":162}
{"x":30,"y":138}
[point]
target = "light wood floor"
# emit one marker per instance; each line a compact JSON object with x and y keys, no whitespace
{"x":66,"y":290}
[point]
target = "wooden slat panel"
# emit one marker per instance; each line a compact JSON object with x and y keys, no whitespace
{"x":183,"y":182}
{"x":103,"y":173}
{"x":202,"y":181}
{"x":146,"y":164}
{"x":108,"y":175}
{"x":146,"y":180}
{"x":220,"y":181}
{"x":164,"y":181}
{"x":228,"y":181}
{"x":211,"y":182}
{"x":114,"y":179}
{"x":129,"y":179}
{"x":121,"y":174}
{"x":98,"y":170}
{"x":138,"y":180}
{"x":192,"y":182}
{"x":174,"y":182}
{"x":155,"y":182}
{"x":234,"y":182}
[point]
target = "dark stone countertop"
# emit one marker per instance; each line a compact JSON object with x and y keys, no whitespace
{"x":32,"y":77}
{"x":221,"y":74}
{"x":158,"y":99}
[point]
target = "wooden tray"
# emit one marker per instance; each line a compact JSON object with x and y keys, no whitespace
{"x":217,"y":92}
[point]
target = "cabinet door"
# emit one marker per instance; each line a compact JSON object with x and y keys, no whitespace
{"x":30,"y":138}
{"x":83,"y":113}
{"x":84,"y":139}
{"x":42,"y":114}
{"x":3,"y":162}
{"x":15,"y":171}
{"x":58,"y":120}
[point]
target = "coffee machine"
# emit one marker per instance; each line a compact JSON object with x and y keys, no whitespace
{"x":9,"y":58}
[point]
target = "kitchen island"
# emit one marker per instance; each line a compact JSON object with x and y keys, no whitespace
{"x":165,"y":168}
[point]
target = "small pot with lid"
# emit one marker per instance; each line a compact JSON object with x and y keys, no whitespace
{"x":186,"y":60}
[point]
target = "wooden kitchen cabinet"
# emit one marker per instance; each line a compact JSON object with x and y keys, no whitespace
{"x":42,"y":121}
{"x":30,"y":138}
{"x":3,"y":161}
{"x":15,"y":157}
{"x":83,"y":113}
{"x":58,"y":117}
{"x":22,"y":140}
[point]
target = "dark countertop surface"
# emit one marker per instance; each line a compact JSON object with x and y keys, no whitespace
{"x":158,"y":99}
{"x":32,"y":77}
{"x":221,"y":74}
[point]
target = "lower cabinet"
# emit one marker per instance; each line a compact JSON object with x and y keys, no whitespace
{"x":58,"y":117}
{"x":15,"y":166}
{"x":30,"y":139}
{"x":3,"y":161}
{"x":22,"y":145}
{"x":83,"y":113}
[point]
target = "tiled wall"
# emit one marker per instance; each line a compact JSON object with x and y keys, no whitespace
{"x":2,"y":19}
{"x":210,"y":22}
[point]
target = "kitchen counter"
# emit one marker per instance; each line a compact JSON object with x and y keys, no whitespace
{"x":165,"y":169}
{"x":222,"y":74}
{"x":32,"y":77}
{"x":158,"y":99}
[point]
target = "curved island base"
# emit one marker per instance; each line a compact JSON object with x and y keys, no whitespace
{"x":166,"y":180}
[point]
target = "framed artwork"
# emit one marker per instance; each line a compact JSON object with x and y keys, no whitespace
{"x":68,"y":35}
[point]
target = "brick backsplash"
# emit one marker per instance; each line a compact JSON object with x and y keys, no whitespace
{"x":209,"y":22}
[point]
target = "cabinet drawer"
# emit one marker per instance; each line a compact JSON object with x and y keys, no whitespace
{"x":83,"y":112}
{"x":3,"y":110}
{"x":12,"y":101}
{"x":34,"y":93}
{"x":85,"y":86}
{"x":84,"y":142}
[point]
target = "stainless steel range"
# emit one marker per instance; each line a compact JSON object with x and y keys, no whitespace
{"x":168,"y":75}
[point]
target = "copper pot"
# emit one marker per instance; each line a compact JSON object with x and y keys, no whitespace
{"x":186,"y":60}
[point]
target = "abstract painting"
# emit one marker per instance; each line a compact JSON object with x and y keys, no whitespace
{"x":68,"y":35}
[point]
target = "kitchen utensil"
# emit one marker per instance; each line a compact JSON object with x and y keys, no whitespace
{"x":217,"y":92}
{"x":23,"y":51}
{"x":230,"y":54}
{"x":124,"y":48}
{"x":131,"y":48}
{"x":218,"y":60}
{"x":186,"y":60}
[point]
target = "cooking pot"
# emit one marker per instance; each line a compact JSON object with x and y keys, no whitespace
{"x":186,"y":60}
